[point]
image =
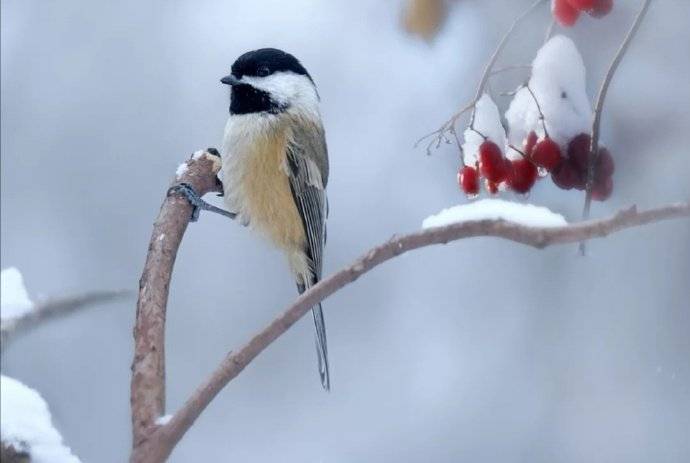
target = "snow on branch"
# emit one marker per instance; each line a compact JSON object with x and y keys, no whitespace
{"x":18,"y":313}
{"x":156,"y":434}
{"x":26,"y":428}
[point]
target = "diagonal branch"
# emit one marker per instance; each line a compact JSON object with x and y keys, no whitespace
{"x":54,"y":308}
{"x":154,"y":443}
{"x":599,"y":108}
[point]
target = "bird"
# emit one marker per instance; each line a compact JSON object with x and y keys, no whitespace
{"x":275,"y":167}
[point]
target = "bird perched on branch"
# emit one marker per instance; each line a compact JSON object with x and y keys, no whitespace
{"x":275,"y":166}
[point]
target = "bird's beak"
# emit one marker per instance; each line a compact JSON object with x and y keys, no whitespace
{"x":230,"y":80}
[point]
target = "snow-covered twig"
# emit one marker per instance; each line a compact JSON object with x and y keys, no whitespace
{"x":53,"y":308}
{"x":155,"y":439}
{"x":598,"y":110}
{"x":439,"y":135}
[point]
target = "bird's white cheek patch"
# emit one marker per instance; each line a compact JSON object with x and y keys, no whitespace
{"x":286,"y":88}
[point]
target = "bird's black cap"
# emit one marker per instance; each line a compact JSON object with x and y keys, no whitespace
{"x":266,"y":61}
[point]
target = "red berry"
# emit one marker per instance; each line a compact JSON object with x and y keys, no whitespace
{"x":567,"y":176}
{"x":605,"y":165}
{"x":469,"y":180}
{"x":529,"y":143}
{"x":522,"y":175}
{"x":492,"y":187}
{"x":578,"y":154}
{"x":491,"y":162}
{"x":582,"y":5}
{"x":601,"y":190}
{"x":600,"y":8}
{"x":564,"y":13}
{"x":547,"y":154}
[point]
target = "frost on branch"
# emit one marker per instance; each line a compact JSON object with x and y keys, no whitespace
{"x":492,"y":209}
{"x":14,"y":299}
{"x":558,"y":84}
{"x":26,"y":426}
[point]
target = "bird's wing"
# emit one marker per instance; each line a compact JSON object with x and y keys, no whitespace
{"x":307,"y":166}
{"x":307,"y":162}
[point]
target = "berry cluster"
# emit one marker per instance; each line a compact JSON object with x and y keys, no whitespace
{"x":539,"y":158}
{"x":566,"y":12}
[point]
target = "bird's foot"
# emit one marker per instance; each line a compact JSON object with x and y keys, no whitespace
{"x":186,"y":190}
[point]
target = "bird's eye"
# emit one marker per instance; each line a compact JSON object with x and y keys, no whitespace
{"x":263,"y":71}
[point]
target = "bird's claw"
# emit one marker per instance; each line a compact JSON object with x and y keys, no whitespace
{"x":186,"y":190}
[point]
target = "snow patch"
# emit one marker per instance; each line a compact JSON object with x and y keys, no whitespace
{"x":181,"y":170}
{"x":493,"y":209}
{"x":163,"y":420}
{"x":14,"y":299}
{"x":558,"y":84}
{"x":25,"y":423}
{"x":487,"y":121}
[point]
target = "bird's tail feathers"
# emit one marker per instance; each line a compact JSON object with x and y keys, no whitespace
{"x":319,"y":339}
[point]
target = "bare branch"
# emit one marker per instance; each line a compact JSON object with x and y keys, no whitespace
{"x":53,"y":308}
{"x":599,"y":108}
{"x":438,"y":135}
{"x":154,"y":443}
{"x":148,"y":366}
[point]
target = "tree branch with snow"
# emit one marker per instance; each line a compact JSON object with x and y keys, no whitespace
{"x":26,"y":430}
{"x":156,"y":435}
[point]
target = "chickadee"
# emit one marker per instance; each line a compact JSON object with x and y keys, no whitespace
{"x":275,"y":166}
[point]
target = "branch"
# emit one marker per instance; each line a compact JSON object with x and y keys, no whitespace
{"x":599,"y":108}
{"x":154,"y":443}
{"x":53,"y":308}
{"x":438,"y":135}
{"x":148,"y":366}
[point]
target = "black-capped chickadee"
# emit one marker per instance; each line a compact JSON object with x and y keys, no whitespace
{"x":275,"y":166}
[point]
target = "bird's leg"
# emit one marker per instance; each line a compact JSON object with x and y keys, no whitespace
{"x":197,"y":203}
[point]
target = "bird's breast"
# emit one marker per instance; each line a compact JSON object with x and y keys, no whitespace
{"x":256,"y":183}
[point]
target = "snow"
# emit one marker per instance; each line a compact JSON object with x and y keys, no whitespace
{"x":181,"y":169}
{"x":487,"y":121}
{"x":492,"y":209}
{"x":558,"y":83}
{"x":25,"y":423}
{"x":14,"y":299}
{"x":163,"y":420}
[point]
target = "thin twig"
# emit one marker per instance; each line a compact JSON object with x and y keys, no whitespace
{"x":541,"y":114}
{"x":549,"y":30}
{"x":54,"y":308}
{"x":513,"y":67}
{"x":437,"y":135}
{"x":601,"y":97}
{"x":154,"y":443}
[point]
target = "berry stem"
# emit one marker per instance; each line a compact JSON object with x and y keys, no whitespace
{"x":601,"y":97}
{"x":437,"y":135}
{"x":541,"y":114}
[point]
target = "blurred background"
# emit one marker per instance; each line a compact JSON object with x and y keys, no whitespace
{"x":479,"y":351}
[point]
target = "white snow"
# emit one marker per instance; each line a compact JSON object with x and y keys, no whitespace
{"x":492,"y":209}
{"x":558,"y":83}
{"x":488,"y":122}
{"x":181,"y":169}
{"x":163,"y":420}
{"x":14,"y":299}
{"x":25,"y":423}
